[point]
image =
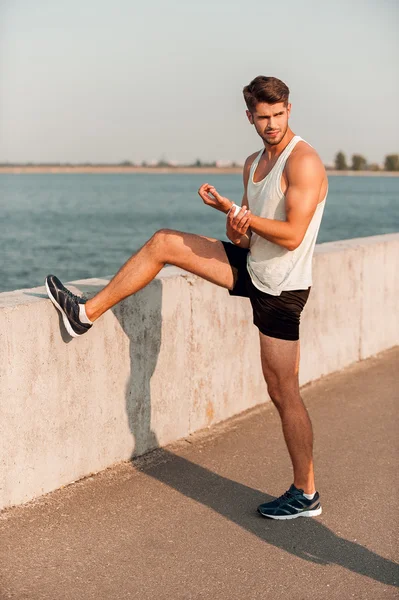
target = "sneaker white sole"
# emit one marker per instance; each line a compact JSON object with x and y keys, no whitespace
{"x":306,"y":513}
{"x":67,"y":324}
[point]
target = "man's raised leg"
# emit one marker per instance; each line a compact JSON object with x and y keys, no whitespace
{"x":198,"y":254}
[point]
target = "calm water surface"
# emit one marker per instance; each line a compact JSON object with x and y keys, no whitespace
{"x":87,"y":225}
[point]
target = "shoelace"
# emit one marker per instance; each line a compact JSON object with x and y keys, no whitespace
{"x":73,"y":297}
{"x":286,"y":496}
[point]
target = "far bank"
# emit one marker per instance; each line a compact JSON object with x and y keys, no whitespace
{"x":167,"y":170}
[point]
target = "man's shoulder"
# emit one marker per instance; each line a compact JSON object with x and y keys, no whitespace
{"x":251,"y":157}
{"x":303,"y":149}
{"x":304,"y":157}
{"x":249,"y":161}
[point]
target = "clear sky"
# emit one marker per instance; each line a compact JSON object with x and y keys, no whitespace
{"x":107,"y":81}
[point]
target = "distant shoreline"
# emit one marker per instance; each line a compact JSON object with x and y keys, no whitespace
{"x":169,"y":170}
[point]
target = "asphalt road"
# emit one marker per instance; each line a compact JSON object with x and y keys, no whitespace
{"x":181,"y":523}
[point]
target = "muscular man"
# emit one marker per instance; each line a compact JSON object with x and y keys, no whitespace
{"x":268,"y":260}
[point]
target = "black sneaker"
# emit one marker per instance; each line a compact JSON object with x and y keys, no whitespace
{"x":290,"y":505}
{"x":68,"y":305}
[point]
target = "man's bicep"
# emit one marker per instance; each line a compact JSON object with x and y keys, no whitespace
{"x":302,"y":195}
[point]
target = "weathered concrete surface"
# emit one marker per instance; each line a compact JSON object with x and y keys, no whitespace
{"x":180,"y":523}
{"x":178,"y":356}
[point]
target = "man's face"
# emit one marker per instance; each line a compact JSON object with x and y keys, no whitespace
{"x":270,"y":121}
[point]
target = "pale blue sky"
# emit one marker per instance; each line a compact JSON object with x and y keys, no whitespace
{"x":96,"y":80}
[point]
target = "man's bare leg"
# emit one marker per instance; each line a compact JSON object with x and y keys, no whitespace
{"x":197,"y":254}
{"x":280,"y":365}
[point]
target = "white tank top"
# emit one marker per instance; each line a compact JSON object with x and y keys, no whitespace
{"x":272,"y":268}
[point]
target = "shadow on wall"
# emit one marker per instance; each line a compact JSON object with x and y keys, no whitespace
{"x":145,"y":335}
{"x":308,"y":539}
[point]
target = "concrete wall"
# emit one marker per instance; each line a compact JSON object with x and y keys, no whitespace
{"x":178,"y":356}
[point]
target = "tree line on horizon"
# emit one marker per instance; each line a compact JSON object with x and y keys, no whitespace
{"x":127,"y":163}
{"x":359,"y":163}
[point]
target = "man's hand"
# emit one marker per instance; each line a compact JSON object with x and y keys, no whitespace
{"x":237,"y":227}
{"x":212,"y":198}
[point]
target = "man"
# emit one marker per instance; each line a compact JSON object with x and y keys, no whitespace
{"x":268,"y":260}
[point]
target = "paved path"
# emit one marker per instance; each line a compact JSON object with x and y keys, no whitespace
{"x":181,"y":523}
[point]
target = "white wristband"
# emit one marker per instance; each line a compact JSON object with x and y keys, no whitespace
{"x":236,"y":209}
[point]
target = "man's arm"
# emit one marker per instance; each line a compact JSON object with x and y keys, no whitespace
{"x":246,"y":238}
{"x":305,"y":174}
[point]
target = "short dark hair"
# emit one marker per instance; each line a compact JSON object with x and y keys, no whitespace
{"x":265,"y":89}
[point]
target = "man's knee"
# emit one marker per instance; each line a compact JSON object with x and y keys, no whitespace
{"x":166,"y":244}
{"x":275,"y":391}
{"x":282,"y":392}
{"x":163,"y":236}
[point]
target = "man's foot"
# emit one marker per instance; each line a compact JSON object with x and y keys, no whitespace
{"x":290,"y":505}
{"x":68,"y":305}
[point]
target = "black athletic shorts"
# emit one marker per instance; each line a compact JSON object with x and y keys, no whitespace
{"x":275,"y":316}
